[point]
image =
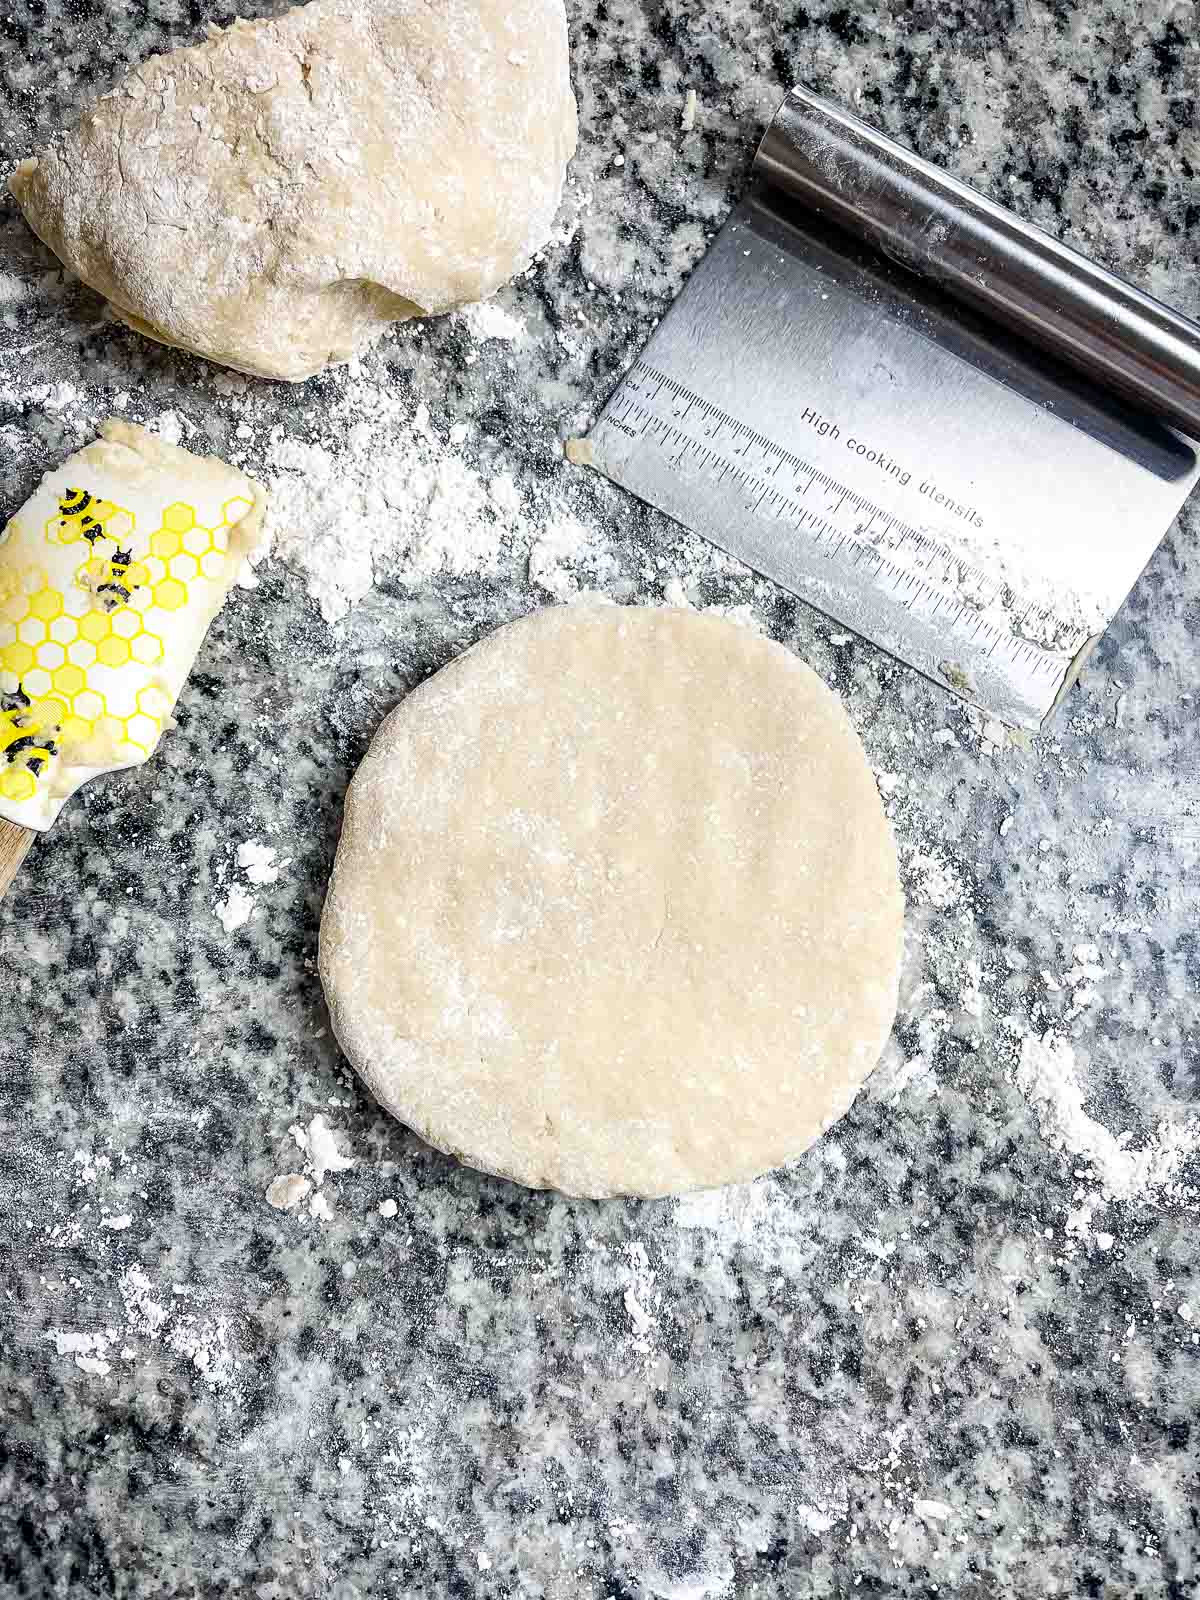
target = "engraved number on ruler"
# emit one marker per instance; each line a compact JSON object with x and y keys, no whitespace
{"x":778,"y":486}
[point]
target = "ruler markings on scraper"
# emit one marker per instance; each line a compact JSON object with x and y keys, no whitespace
{"x":1019,"y":438}
{"x":632,"y":411}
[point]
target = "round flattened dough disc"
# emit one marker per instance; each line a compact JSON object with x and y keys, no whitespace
{"x":616,"y":907}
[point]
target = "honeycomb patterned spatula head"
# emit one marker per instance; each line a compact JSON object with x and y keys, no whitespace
{"x":109,"y":577}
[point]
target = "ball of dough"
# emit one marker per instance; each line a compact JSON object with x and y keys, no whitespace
{"x":275,"y":197}
{"x":616,"y":907}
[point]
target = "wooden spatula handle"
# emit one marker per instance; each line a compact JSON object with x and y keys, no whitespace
{"x":14,"y":842}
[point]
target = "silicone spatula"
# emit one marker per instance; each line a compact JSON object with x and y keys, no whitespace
{"x":109,"y":577}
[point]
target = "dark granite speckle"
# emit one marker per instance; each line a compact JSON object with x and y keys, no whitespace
{"x":951,"y":1350}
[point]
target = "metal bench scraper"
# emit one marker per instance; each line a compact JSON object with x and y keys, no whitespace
{"x":929,"y":419}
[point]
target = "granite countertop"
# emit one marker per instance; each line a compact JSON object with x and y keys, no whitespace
{"x":956,"y":1347}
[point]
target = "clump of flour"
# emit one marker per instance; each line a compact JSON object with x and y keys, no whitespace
{"x":287,"y":1191}
{"x":259,"y":862}
{"x":318,"y":1144}
{"x":488,"y":320}
{"x":235,"y":911}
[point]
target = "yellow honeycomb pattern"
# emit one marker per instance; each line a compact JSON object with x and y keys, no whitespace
{"x":116,"y":616}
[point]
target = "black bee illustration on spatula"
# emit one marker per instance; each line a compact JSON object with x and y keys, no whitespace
{"x":80,"y":507}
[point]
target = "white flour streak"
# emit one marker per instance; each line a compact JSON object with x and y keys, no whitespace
{"x":755,"y":1217}
{"x":169,"y":425}
{"x":1047,"y":1074}
{"x":638,"y":1315}
{"x":145,"y":1313}
{"x":639,"y":1297}
{"x":94,"y":1365}
{"x":915,"y":1073}
{"x":203,"y":1341}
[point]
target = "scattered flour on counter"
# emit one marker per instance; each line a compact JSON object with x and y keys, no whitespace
{"x":94,"y":1365}
{"x":915,"y":1074}
{"x":323,"y":1153}
{"x":393,"y":498}
{"x":202,"y":1340}
{"x":375,"y":490}
{"x":382,"y":493}
{"x":641,"y":1319}
{"x":1047,"y":1073}
{"x":322,"y":1156}
{"x":562,"y":540}
{"x":742,"y":614}
{"x":709,"y":1575}
{"x":143,"y":1314}
{"x":675,"y":594}
{"x":487,"y":320}
{"x":90,"y":1350}
{"x":760,"y":1219}
{"x":640,"y":1297}
{"x":258,"y":861}
{"x":682,"y":591}
{"x":61,"y":396}
{"x":736,"y":1209}
{"x":13,"y":290}
{"x":91,"y":1166}
{"x":932,"y":1510}
{"x":235,"y":911}
{"x":932,"y":878}
{"x":407,"y":1467}
{"x":170,"y":426}
{"x":205,"y":1343}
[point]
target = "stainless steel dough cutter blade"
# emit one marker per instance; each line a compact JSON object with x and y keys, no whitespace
{"x":929,"y":419}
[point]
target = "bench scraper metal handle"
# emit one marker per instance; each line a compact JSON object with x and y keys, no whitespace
{"x":1018,"y":275}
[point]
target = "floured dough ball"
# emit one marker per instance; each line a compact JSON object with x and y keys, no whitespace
{"x":616,"y":907}
{"x":275,"y":197}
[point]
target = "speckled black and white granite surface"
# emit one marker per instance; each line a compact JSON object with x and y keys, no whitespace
{"x":952,"y":1349}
